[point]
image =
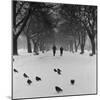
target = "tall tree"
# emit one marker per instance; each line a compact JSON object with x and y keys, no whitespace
{"x":86,"y":15}
{"x":21,"y":13}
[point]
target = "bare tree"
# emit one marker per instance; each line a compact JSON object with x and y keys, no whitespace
{"x":21,"y":13}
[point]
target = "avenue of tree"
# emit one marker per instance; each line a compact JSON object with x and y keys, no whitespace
{"x":43,"y":23}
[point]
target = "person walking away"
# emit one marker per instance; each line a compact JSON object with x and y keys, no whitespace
{"x":54,"y":50}
{"x":61,"y":51}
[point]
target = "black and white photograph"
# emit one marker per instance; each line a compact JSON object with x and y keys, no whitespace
{"x":54,"y":49}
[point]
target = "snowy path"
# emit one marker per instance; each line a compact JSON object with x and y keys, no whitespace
{"x":81,"y":68}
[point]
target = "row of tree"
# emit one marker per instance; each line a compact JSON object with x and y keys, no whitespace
{"x":41,"y":23}
{"x":32,"y":19}
{"x":83,"y":21}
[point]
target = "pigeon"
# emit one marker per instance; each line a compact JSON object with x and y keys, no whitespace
{"x":29,"y":81}
{"x":58,"y":89}
{"x":15,"y":70}
{"x":72,"y":82}
{"x":55,"y":70}
{"x":38,"y":78}
{"x":25,"y":75}
{"x":59,"y":71}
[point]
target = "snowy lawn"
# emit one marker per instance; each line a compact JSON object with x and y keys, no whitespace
{"x":81,"y":68}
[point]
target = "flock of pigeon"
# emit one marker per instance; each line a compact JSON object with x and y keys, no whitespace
{"x":57,"y":88}
{"x":26,"y":76}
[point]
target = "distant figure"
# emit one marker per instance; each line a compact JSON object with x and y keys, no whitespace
{"x":58,"y":89}
{"x":61,"y":51}
{"x":54,"y":50}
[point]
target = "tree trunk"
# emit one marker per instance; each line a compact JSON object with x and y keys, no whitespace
{"x":35,"y":47}
{"x":77,"y":43}
{"x":15,"y":52}
{"x":92,"y":44}
{"x":76,"y":46}
{"x":83,"y":36}
{"x":91,"y":36}
{"x":29,"y":50}
{"x":82,"y":48}
{"x":42,"y":48}
{"x":71,"y":46}
{"x":15,"y":37}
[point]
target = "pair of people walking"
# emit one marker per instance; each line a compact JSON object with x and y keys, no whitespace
{"x":54,"y":50}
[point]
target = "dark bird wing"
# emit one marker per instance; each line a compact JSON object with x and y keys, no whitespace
{"x":59,"y":73}
{"x":29,"y":81}
{"x":55,"y":70}
{"x":58,"y":89}
{"x":59,"y":70}
{"x":25,"y":75}
{"x":38,"y":78}
{"x":72,"y":82}
{"x":15,"y":70}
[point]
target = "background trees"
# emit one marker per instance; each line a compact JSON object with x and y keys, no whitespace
{"x":46,"y":24}
{"x":86,"y":17}
{"x":23,"y":13}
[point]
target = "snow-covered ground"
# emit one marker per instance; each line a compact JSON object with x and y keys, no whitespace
{"x":81,"y":68}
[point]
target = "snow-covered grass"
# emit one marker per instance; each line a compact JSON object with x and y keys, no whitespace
{"x":81,"y":68}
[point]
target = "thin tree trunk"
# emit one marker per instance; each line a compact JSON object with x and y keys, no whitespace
{"x":29,"y":50}
{"x":76,"y":47}
{"x":82,"y":45}
{"x":83,"y":36}
{"x":82,"y":48}
{"x":15,"y":52}
{"x":93,"y":45}
{"x":71,"y":47}
{"x":35,"y":47}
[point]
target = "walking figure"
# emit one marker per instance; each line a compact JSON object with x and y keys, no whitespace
{"x":61,"y":51}
{"x":54,"y":50}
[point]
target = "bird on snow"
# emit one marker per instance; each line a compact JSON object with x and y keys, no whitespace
{"x":72,"y":82}
{"x":29,"y":81}
{"x":15,"y":70}
{"x":58,"y":89}
{"x":25,"y":75}
{"x":38,"y":78}
{"x":55,"y":70}
{"x":59,"y":71}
